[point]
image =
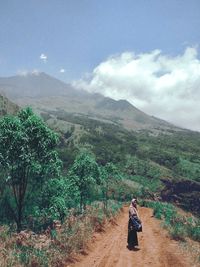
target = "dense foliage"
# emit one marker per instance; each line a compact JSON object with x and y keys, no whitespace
{"x":101,"y":165}
{"x":84,"y":174}
{"x":34,"y":188}
{"x":145,"y":157}
{"x":27,"y":158}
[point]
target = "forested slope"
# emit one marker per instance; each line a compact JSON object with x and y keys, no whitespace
{"x":166,"y":164}
{"x":60,"y":184}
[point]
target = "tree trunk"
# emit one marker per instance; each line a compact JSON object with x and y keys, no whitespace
{"x":81,"y":202}
{"x":19,"y":219}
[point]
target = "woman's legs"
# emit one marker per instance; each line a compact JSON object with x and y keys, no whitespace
{"x":132,"y":238}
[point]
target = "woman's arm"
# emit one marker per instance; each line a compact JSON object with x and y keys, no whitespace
{"x":133,"y":212}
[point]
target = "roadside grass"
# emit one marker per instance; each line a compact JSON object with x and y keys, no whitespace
{"x":178,"y":225}
{"x":55,"y":246}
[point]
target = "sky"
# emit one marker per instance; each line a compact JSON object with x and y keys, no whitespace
{"x":145,"y":51}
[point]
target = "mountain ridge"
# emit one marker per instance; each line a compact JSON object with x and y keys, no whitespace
{"x":44,"y":92}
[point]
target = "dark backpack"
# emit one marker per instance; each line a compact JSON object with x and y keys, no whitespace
{"x":136,"y":223}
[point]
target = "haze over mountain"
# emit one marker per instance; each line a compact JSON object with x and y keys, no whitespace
{"x":45,"y":93}
{"x":34,"y":84}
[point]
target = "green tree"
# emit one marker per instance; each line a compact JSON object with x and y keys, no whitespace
{"x":27,"y":157}
{"x":83,"y":174}
{"x":108,"y":173}
{"x":57,"y":197}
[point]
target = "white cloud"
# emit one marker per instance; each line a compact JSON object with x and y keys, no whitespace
{"x":27,"y":72}
{"x":43,"y":57}
{"x":160,"y":85}
{"x":62,"y":70}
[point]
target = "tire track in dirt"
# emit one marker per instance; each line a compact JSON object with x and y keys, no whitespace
{"x":156,"y":249}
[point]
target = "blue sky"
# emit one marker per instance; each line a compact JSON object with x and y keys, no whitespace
{"x":144,"y":51}
{"x":77,"y":35}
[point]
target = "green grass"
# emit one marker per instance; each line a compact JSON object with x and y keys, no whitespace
{"x":189,"y":169}
{"x":152,"y":184}
{"x":54,"y":250}
{"x":179,"y":226}
{"x":29,"y":256}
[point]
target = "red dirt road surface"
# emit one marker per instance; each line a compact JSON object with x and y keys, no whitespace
{"x":109,"y":249}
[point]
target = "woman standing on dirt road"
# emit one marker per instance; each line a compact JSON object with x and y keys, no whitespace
{"x":133,"y":217}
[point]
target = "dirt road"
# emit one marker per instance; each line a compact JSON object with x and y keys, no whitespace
{"x":155,"y":247}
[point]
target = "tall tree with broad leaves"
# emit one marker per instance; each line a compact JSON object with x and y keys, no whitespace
{"x":108,"y":173}
{"x":27,"y":157}
{"x":84,"y":173}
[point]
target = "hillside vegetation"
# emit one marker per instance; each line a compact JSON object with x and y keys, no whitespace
{"x":61,"y":182}
{"x":166,"y":164}
{"x":6,"y":106}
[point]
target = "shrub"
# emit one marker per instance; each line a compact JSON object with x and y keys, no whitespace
{"x":178,"y":225}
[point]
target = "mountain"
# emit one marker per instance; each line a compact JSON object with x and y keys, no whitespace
{"x":34,"y":85}
{"x":45,"y":93}
{"x":169,"y":164}
{"x":7,"y":107}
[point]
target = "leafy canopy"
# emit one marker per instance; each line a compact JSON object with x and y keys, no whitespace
{"x":84,"y":173}
{"x":27,"y":156}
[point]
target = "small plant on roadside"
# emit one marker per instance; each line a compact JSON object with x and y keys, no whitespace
{"x":178,"y":225}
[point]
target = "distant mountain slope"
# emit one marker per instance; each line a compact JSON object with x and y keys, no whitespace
{"x":45,"y":93}
{"x":34,"y":85}
{"x":7,"y":107}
